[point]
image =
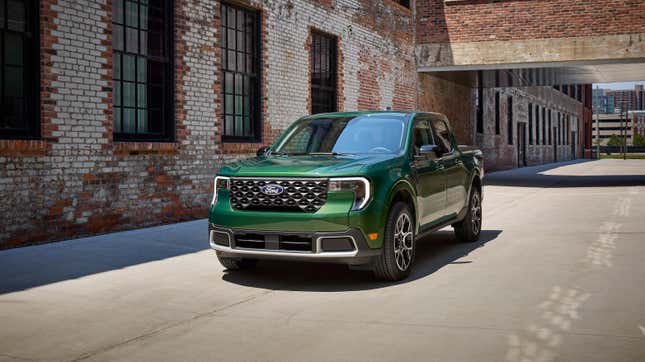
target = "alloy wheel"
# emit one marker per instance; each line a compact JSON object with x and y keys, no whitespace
{"x":403,"y":242}
{"x":476,"y":213}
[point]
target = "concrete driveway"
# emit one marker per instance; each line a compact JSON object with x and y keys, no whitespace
{"x":559,"y":275}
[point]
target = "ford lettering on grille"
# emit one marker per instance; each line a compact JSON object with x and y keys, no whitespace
{"x":272,"y":190}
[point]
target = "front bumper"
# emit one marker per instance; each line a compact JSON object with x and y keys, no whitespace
{"x":344,"y":247}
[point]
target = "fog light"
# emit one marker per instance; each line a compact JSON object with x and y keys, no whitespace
{"x":220,"y":238}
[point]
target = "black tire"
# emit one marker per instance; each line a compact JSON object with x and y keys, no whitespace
{"x":388,"y":266}
{"x":469,"y":229}
{"x":237,"y":264}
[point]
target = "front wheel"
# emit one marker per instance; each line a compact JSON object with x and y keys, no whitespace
{"x":397,"y":254}
{"x":469,"y":229}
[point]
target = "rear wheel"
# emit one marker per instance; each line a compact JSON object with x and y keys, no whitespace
{"x":237,"y":263}
{"x":397,"y":254}
{"x":469,"y":229}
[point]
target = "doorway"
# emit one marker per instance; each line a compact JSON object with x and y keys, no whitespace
{"x":521,"y":144}
{"x":555,"y":144}
{"x":573,"y":145}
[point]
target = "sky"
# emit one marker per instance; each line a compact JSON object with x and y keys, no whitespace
{"x":626,"y":85}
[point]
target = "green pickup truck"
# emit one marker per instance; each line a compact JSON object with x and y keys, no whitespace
{"x":356,"y":188}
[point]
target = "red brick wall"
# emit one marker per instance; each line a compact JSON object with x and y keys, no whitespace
{"x":77,"y":180}
{"x":449,"y":98}
{"x":441,"y":21}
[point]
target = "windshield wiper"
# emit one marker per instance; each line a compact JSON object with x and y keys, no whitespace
{"x":329,"y":153}
{"x":283,"y":153}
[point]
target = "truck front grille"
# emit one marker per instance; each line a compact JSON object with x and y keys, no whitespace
{"x":297,"y":195}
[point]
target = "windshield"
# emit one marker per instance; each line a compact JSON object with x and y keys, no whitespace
{"x":345,"y":136}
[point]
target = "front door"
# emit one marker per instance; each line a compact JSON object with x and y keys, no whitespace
{"x":521,"y":144}
{"x":428,"y":176}
{"x":573,"y":145}
{"x":455,"y":173}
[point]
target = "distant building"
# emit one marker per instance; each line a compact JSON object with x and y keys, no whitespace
{"x":603,"y":103}
{"x":638,"y":122}
{"x":612,"y":124}
{"x":628,"y":99}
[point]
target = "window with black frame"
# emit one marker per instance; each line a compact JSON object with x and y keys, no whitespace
{"x":497,"y":113}
{"x":509,"y":119}
{"x":324,"y":96}
{"x":405,"y":3}
{"x":142,"y":70}
{"x":19,"y":69}
{"x":550,"y":129}
{"x":531,"y":122}
{"x":240,"y":68}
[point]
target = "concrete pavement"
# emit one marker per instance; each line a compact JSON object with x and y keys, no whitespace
{"x":559,"y":275}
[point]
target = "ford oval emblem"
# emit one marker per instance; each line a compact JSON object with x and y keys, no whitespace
{"x":272,"y":189}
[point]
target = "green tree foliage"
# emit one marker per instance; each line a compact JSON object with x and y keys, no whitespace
{"x":639,"y":140}
{"x":615,"y":141}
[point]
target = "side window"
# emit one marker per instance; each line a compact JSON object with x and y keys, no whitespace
{"x":422,"y":135}
{"x":442,"y":135}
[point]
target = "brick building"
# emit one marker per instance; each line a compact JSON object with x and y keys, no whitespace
{"x":628,"y":99}
{"x":116,"y":114}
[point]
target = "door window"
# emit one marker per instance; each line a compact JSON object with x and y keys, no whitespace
{"x":421,"y":135}
{"x":442,"y":135}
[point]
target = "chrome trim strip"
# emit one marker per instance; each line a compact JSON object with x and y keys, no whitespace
{"x":336,"y":254}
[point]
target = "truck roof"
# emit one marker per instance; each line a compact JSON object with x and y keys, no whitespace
{"x":367,"y":113}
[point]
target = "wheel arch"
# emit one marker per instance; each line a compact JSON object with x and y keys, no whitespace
{"x":403,"y":191}
{"x":476,"y":183}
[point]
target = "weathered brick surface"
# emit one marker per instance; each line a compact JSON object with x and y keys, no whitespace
{"x":449,"y":98}
{"x":485,"y":20}
{"x":76,"y":180}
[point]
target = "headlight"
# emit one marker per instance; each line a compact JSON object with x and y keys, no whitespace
{"x":221,"y":182}
{"x":360,"y":186}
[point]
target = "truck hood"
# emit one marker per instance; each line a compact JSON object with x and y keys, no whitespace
{"x":303,"y":166}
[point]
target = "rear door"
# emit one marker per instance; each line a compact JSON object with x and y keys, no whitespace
{"x":428,"y":176}
{"x":455,"y":172}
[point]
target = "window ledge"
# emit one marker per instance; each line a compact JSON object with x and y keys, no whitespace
{"x":26,"y":148}
{"x":139,"y":148}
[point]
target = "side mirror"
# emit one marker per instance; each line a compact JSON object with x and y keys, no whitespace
{"x":430,"y":150}
{"x":263,"y":151}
